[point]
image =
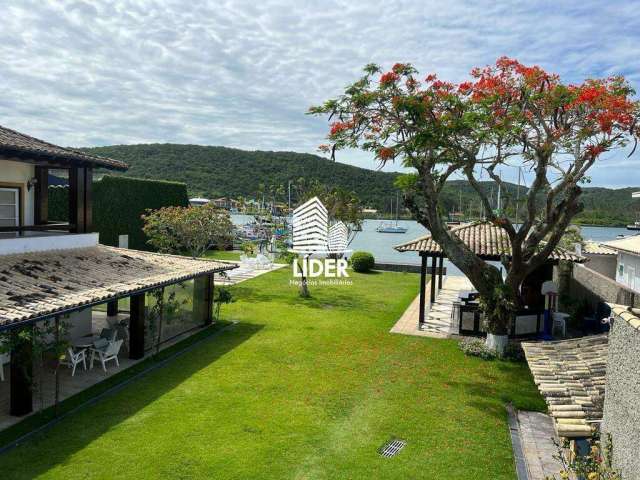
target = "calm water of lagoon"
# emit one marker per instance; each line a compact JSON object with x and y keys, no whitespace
{"x":381,"y":244}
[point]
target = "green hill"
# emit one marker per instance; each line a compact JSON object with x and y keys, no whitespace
{"x":219,"y":171}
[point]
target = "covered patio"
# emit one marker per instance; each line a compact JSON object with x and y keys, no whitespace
{"x":491,"y":243}
{"x":136,"y":300}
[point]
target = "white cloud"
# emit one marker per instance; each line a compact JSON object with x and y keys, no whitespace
{"x":243,"y":73}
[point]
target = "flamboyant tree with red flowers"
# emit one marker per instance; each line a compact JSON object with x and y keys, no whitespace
{"x":507,"y":114}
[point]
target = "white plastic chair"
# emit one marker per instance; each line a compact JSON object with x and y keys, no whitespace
{"x":263,"y":262}
{"x":560,"y":322}
{"x":73,"y":359}
{"x":110,"y":352}
{"x":4,"y":358}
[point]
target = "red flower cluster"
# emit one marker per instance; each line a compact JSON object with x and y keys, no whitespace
{"x":606,"y":103}
{"x":411,"y":83}
{"x":386,"y":153}
{"x":389,"y":78}
{"x":595,"y":150}
{"x":339,"y":127}
{"x":465,"y":87}
{"x":398,"y":68}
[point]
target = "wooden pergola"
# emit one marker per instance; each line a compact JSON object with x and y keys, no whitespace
{"x":486,"y":240}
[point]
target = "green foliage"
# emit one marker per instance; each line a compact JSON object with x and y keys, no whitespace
{"x":249,"y":247}
{"x":362,"y":262}
{"x":284,"y":255}
{"x":219,"y":171}
{"x":239,"y":173}
{"x":241,"y":389}
{"x":222,"y":295}
{"x":188,"y":229}
{"x":118,"y":206}
{"x":597,"y":464}
{"x":572,"y":236}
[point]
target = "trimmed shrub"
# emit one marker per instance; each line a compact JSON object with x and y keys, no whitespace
{"x":362,"y":262}
{"x":118,"y":205}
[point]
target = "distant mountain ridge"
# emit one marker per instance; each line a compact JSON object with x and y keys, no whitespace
{"x":221,"y":171}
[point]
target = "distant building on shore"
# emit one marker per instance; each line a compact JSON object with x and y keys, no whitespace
{"x":198,"y":202}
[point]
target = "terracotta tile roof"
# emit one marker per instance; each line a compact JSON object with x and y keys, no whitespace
{"x":628,"y":244}
{"x":484,"y":239}
{"x":570,"y":375}
{"x":594,"y":248}
{"x":34,"y":285}
{"x":16,"y":143}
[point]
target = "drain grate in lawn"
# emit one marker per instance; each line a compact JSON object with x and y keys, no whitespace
{"x":391,"y":448}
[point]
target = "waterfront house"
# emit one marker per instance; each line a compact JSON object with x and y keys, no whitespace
{"x":59,"y":271}
{"x":627,"y":260}
{"x":599,"y":258}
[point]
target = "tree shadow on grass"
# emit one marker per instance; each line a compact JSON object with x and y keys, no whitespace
{"x":43,"y":452}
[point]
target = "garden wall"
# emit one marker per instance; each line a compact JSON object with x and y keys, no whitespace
{"x":622,"y":397}
{"x":396,"y":267}
{"x":604,"y":264}
{"x":587,"y":284}
{"x":118,"y":204}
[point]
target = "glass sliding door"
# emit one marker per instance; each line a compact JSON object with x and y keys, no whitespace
{"x":9,"y":209}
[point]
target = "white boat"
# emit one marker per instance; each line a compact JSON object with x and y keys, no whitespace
{"x":634,"y":226}
{"x":389,"y":227}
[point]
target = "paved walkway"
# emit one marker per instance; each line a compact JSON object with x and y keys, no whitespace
{"x":244,"y":272}
{"x":536,"y":437}
{"x":438,"y":323}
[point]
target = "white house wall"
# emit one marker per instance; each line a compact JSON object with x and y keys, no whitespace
{"x":16,"y":172}
{"x":628,"y":271}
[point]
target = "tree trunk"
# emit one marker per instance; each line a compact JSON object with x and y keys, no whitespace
{"x":499,"y":305}
{"x":304,"y":288}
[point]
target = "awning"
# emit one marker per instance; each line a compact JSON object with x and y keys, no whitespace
{"x":486,"y":240}
{"x":570,"y":375}
{"x":43,"y":284}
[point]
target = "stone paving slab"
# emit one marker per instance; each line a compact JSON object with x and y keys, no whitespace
{"x":438,"y":323}
{"x":244,"y":272}
{"x":536,"y":436}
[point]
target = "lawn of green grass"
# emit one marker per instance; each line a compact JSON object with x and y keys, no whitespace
{"x":299,"y":389}
{"x":223,"y":255}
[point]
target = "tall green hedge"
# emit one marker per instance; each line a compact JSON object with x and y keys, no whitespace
{"x":118,"y":204}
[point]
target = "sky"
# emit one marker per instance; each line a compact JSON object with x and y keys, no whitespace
{"x":243,"y":73}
